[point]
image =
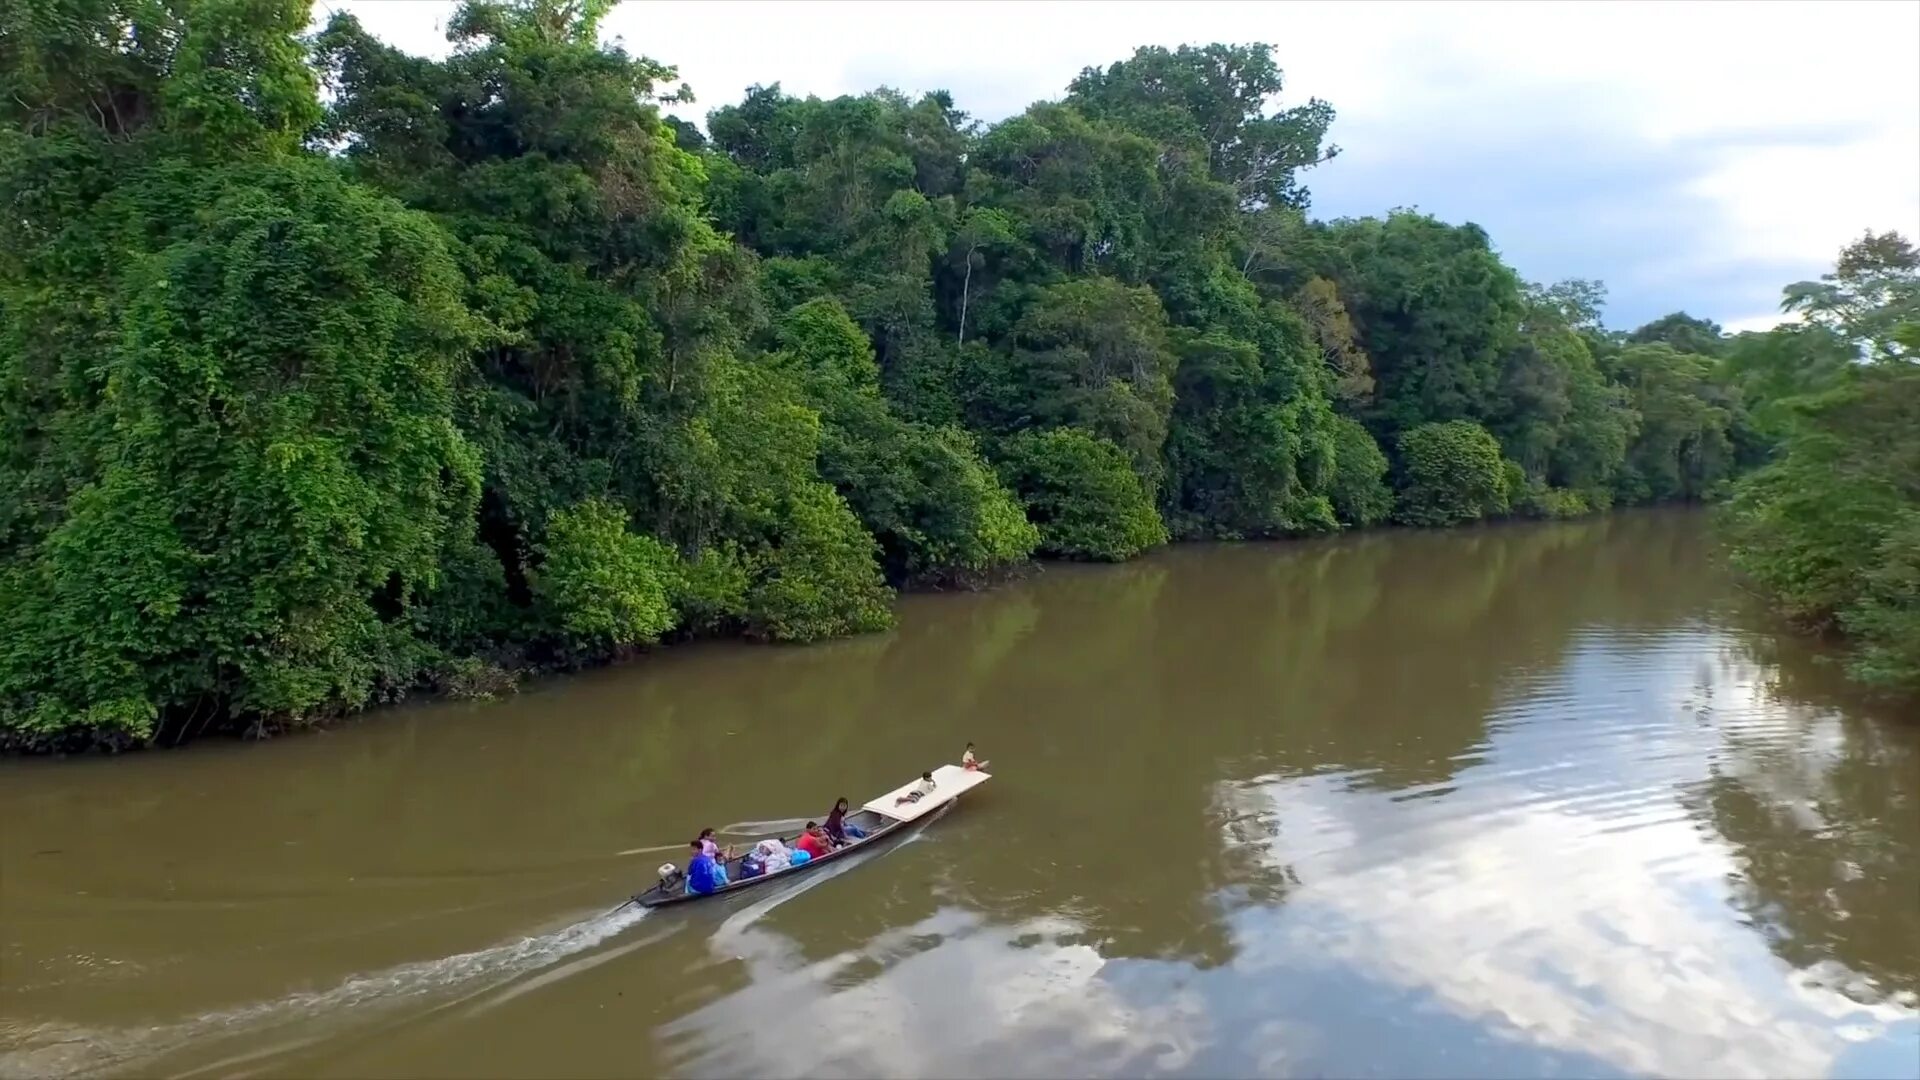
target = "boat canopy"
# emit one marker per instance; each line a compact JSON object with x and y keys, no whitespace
{"x":948,"y":781}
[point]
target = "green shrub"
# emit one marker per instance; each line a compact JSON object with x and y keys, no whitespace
{"x":1449,"y":473}
{"x":470,"y":678}
{"x":1537,"y":500}
{"x":1360,"y":494}
{"x":601,"y":583}
{"x":710,"y":591}
{"x":468,"y":609}
{"x":924,"y":492}
{"x":1831,"y":528}
{"x":1083,"y":494}
{"x":1513,"y":487}
{"x":821,"y":580}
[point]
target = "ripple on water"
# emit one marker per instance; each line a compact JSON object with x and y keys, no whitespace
{"x":50,"y":1049}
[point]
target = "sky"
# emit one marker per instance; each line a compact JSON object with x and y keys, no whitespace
{"x":1693,"y":156}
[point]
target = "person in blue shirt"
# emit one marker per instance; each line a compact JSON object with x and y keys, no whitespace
{"x":705,"y":873}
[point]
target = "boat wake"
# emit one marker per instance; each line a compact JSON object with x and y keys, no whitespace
{"x":38,"y":1050}
{"x":775,"y":827}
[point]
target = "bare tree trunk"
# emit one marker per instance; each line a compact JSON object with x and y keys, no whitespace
{"x":966,"y":285}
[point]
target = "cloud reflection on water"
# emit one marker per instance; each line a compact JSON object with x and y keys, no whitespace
{"x":1559,"y":906}
{"x":947,"y":996}
{"x":1589,"y":915}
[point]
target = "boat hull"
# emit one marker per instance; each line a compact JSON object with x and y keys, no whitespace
{"x":670,"y":893}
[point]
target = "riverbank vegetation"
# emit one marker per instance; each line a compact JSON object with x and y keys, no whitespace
{"x":1830,"y":526}
{"x":485,"y":365}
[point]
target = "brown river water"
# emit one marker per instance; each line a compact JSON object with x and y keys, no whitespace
{"x":1519,"y":801}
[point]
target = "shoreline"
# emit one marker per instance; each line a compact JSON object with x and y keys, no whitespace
{"x":510,"y":680}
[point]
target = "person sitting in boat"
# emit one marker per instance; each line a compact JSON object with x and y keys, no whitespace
{"x":767,"y":857}
{"x":708,"y":845}
{"x":920,"y":790}
{"x":773,"y":855}
{"x":705,"y":873}
{"x":751,"y":866}
{"x":814,"y":841}
{"x":967,"y":761}
{"x":837,"y":828}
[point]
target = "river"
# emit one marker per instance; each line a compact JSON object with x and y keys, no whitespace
{"x":1525,"y":800}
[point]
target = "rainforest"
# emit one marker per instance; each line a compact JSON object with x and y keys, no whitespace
{"x":331,"y":374}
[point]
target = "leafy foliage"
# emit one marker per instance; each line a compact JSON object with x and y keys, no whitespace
{"x":257,"y":459}
{"x":1873,"y":292}
{"x":1683,"y":449}
{"x":1451,"y":472}
{"x":604,"y":584}
{"x":1082,"y":493}
{"x":485,"y":365}
{"x":1832,"y":528}
{"x":1360,"y":493}
{"x":821,"y":581}
{"x":924,"y":492}
{"x":1436,"y":351}
{"x":1214,"y":100}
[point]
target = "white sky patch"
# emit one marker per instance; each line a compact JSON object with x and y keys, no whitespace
{"x":1800,"y":122}
{"x":1758,"y":323}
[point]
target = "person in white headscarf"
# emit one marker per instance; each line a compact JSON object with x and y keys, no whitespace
{"x":773,"y":855}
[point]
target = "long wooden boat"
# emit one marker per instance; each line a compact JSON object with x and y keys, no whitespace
{"x":883,"y":816}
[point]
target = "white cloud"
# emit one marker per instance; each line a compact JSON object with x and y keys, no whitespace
{"x":1795,"y":125}
{"x":1758,"y":322}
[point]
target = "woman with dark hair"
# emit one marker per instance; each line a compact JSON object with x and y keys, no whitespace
{"x":837,"y":826}
{"x":711,"y":847}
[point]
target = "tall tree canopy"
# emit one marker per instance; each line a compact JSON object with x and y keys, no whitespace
{"x":484,"y":365}
{"x":1215,"y":99}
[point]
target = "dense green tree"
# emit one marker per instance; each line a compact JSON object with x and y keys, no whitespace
{"x":1555,"y":413}
{"x":602,"y":583}
{"x":1683,"y":333}
{"x":788,"y":539}
{"x":1872,"y":293}
{"x":617,"y":304}
{"x":1832,"y":529}
{"x":1215,"y":98}
{"x":1251,"y":448}
{"x":1773,"y":369}
{"x":1083,"y":494}
{"x":228,"y":382}
{"x":821,"y":580}
{"x":1683,"y":448}
{"x":1359,"y":491}
{"x":926,"y":495}
{"x":487,"y":365}
{"x":585,"y":249}
{"x":1435,"y":310}
{"x":1450,"y":472}
{"x":1089,"y":352}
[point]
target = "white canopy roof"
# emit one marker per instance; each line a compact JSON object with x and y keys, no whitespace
{"x":948,"y":781}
